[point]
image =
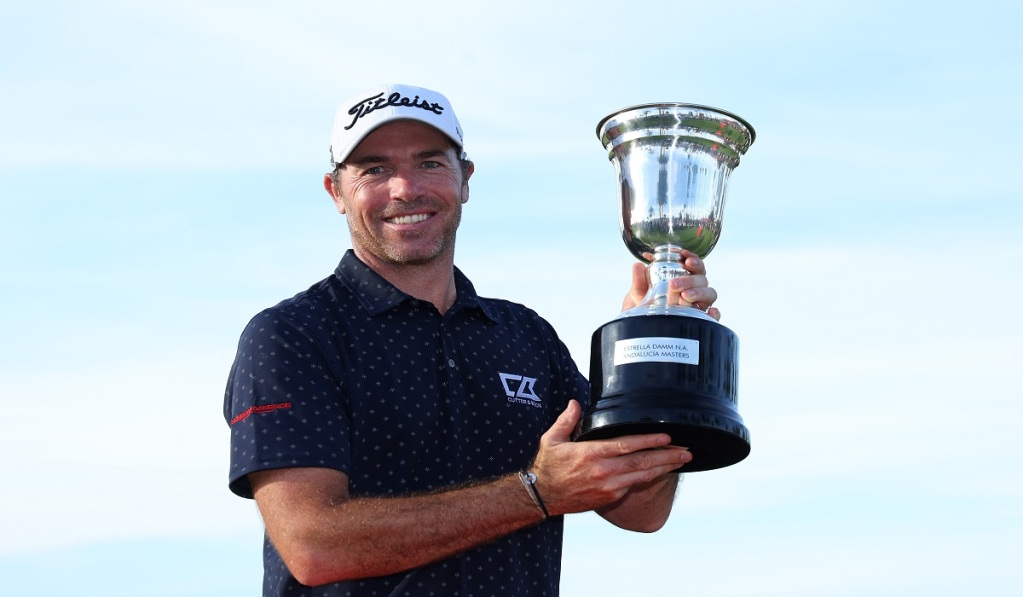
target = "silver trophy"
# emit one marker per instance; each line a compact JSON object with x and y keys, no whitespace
{"x":660,"y":368}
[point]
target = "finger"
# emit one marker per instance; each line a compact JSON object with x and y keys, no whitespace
{"x":639,"y":277}
{"x":637,"y":477}
{"x":628,"y":444}
{"x":564,"y":425}
{"x":685,"y":282}
{"x":669,"y":457}
{"x":692,"y":262}
{"x":701,"y":298}
{"x":649,"y":464}
{"x":659,"y":456}
{"x":675,"y":289}
{"x":691,"y":290}
{"x":639,"y":286}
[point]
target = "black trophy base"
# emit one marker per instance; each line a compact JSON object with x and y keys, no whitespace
{"x":668,"y":374}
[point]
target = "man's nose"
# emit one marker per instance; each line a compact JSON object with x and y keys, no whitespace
{"x":405,"y":185}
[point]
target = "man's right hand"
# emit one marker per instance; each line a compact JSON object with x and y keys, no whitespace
{"x":583,"y":476}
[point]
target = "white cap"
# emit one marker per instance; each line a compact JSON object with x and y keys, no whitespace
{"x":362,"y":114}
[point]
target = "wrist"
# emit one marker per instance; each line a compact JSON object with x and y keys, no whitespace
{"x":529,"y":482}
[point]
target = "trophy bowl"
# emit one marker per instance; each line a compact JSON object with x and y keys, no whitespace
{"x":660,"y":368}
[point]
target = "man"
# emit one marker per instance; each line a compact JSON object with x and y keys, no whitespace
{"x":370,"y":414}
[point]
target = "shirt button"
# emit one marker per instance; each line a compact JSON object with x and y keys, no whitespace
{"x":451,"y":362}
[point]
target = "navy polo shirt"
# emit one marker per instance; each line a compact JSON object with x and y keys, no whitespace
{"x":355,"y":375}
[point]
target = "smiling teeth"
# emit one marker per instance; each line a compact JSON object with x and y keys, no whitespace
{"x":409,"y":219}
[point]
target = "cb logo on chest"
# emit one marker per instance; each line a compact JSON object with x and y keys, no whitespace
{"x":519,"y":387}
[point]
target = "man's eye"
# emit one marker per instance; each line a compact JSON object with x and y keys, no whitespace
{"x":431,"y":165}
{"x":374,"y":170}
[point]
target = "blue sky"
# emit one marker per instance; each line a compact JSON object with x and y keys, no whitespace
{"x":160,"y":171}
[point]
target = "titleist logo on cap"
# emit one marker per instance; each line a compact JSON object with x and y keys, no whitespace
{"x":376,"y":102}
{"x":361,"y":114}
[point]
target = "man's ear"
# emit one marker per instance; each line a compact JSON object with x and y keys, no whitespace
{"x":465,"y":183}
{"x":334,"y":192}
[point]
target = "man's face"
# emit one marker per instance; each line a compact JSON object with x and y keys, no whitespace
{"x":402,"y":190}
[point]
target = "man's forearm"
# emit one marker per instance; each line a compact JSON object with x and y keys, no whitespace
{"x":644,"y":508}
{"x":324,"y":539}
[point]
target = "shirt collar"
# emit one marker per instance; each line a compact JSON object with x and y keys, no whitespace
{"x":378,"y":295}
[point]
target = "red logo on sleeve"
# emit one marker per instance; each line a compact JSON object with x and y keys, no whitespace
{"x":260,"y":410}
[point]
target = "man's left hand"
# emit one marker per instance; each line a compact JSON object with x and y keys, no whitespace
{"x":691,"y":289}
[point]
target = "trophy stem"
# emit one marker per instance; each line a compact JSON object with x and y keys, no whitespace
{"x":665,"y":266}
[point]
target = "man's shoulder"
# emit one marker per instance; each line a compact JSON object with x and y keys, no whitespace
{"x":327,"y":291}
{"x":507,"y":306}
{"x":316,"y":303}
{"x":513,"y":313}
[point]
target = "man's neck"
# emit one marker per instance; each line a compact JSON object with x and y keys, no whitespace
{"x":433,"y":282}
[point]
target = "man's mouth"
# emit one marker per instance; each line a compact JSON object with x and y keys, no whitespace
{"x":410,"y":219}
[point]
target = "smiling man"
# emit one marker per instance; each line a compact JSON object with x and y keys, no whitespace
{"x":402,"y":189}
{"x":402,"y":435}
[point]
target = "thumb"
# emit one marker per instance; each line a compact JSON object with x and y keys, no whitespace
{"x":562,"y":429}
{"x":640,"y":285}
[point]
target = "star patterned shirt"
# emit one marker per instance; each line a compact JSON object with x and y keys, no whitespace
{"x":355,"y":375}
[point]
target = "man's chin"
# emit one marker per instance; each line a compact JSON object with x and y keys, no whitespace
{"x":415,"y":256}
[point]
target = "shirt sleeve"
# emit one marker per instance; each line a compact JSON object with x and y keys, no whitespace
{"x":284,"y":402}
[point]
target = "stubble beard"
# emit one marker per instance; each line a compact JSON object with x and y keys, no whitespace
{"x":397,"y":254}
